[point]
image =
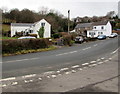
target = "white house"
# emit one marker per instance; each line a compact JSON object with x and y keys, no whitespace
{"x":100,"y":28}
{"x":32,"y":28}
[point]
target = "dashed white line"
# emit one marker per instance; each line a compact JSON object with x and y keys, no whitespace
{"x":98,"y":59}
{"x":66,"y":53}
{"x":95,"y":44}
{"x":7,"y":79}
{"x":63,"y":69}
{"x":27,"y":76}
{"x":76,"y":66}
{"x":4,"y":85}
{"x":67,"y":72}
{"x":115,"y":51}
{"x":40,"y":78}
{"x":49,"y":72}
{"x":92,"y":62}
{"x":54,"y":76}
{"x":106,"y":60}
{"x":100,"y":63}
{"x":110,"y":58}
{"x":14,"y":83}
{"x":102,"y":58}
{"x":73,"y":71}
{"x":80,"y":69}
{"x":85,"y":64}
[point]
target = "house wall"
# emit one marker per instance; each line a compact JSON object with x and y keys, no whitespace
{"x":47,"y":28}
{"x":15,"y":29}
{"x":98,"y":30}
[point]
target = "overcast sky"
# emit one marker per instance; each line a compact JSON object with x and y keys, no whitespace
{"x":77,"y":7}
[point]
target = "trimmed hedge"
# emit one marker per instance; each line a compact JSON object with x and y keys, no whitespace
{"x":14,"y":45}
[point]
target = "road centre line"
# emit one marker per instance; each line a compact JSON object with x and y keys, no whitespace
{"x":85,"y":64}
{"x":20,"y":60}
{"x":76,"y":66}
{"x":27,"y":76}
{"x":95,"y":44}
{"x":7,"y":79}
{"x":92,"y":62}
{"x":66,"y":53}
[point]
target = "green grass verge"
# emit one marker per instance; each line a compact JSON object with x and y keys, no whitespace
{"x":31,"y":51}
{"x":9,"y":37}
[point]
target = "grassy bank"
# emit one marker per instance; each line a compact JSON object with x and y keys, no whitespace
{"x":31,"y":51}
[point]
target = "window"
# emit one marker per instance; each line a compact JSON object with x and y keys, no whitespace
{"x":102,"y":27}
{"x":42,"y":24}
{"x":94,"y":27}
{"x":31,"y":31}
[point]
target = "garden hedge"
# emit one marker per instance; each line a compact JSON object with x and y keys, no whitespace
{"x":15,"y":45}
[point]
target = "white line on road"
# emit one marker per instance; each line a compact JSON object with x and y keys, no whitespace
{"x":73,"y":71}
{"x":21,"y":60}
{"x":27,"y":76}
{"x":63,"y":69}
{"x":7,"y":79}
{"x":106,"y":60}
{"x":54,"y":76}
{"x":67,"y":72}
{"x":85,"y":64}
{"x":100,"y":63}
{"x":49,"y":72}
{"x":92,"y":62}
{"x":66,"y":53}
{"x":115,"y":51}
{"x":76,"y":66}
{"x":95,"y":45}
{"x":14,"y":83}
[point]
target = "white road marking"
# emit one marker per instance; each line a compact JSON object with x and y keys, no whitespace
{"x":54,"y":76}
{"x":67,"y":72}
{"x":66,"y":53}
{"x":85,"y":64}
{"x":49,"y":72}
{"x":92,"y":62}
{"x":95,"y":44}
{"x":76,"y":66}
{"x":80,"y":69}
{"x":73,"y":71}
{"x":4,"y":85}
{"x":28,"y":81}
{"x":102,"y":58}
{"x":98,"y":59}
{"x":115,"y":51}
{"x":40,"y":78}
{"x":63,"y":69}
{"x":92,"y":65}
{"x":7,"y":79}
{"x":48,"y":76}
{"x":14,"y":83}
{"x":84,"y":67}
{"x":106,"y":60}
{"x":100,"y":63}
{"x":86,"y":48}
{"x":21,"y":60}
{"x":27,"y":76}
{"x":110,"y":58}
{"x":58,"y":71}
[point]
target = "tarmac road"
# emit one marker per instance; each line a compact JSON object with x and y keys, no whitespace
{"x":35,"y":63}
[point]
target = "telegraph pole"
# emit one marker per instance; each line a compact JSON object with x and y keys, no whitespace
{"x":68,"y":21}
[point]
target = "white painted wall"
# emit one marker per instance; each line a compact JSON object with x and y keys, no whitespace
{"x":99,"y":31}
{"x":47,"y":28}
{"x":15,"y":29}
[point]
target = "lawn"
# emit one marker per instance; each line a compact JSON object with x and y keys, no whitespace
{"x":9,"y":37}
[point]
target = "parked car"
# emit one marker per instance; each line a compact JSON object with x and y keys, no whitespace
{"x":113,"y":35}
{"x":79,"y":39}
{"x":100,"y":37}
{"x":27,"y":37}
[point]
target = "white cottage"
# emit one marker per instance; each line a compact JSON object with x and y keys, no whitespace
{"x":31,"y":28}
{"x":100,"y":28}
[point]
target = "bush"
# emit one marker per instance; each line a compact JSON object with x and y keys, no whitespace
{"x":15,"y":45}
{"x":56,"y":35}
{"x":67,"y":40}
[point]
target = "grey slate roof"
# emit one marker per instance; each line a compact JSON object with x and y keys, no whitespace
{"x":84,"y":25}
{"x":87,"y":25}
{"x":22,"y":24}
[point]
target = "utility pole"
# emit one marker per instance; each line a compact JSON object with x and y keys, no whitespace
{"x":68,"y":21}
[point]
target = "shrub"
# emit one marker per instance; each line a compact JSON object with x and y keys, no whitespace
{"x":15,"y":45}
{"x":67,"y":40}
{"x":56,"y":35}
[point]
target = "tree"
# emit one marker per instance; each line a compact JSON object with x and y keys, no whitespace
{"x":41,"y":32}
